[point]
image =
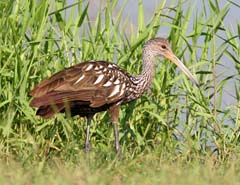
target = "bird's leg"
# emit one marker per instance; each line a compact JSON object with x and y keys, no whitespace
{"x":87,"y":142}
{"x":116,"y":135}
{"x":114,"y":113}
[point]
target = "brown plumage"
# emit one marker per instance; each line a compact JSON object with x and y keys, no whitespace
{"x":88,"y":86}
{"x":94,"y":86}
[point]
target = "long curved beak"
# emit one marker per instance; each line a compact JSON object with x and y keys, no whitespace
{"x":179,"y":64}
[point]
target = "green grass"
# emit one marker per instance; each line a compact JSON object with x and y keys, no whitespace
{"x":141,"y":170}
{"x":177,"y":133}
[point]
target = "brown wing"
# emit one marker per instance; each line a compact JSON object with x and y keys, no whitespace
{"x":96,"y":82}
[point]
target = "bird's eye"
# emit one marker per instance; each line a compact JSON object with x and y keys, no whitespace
{"x":163,"y":46}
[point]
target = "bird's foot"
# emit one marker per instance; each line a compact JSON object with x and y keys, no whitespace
{"x":87,"y":148}
{"x":119,"y":153}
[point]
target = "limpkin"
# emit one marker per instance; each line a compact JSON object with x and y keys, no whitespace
{"x":94,"y":86}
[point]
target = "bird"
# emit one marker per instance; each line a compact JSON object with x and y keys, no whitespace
{"x":90,"y":87}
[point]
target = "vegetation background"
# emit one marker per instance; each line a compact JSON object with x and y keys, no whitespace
{"x":175,"y":134}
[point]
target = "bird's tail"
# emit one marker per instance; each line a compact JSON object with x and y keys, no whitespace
{"x":49,"y":110}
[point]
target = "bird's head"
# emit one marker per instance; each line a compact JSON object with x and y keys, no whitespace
{"x":160,"y":47}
